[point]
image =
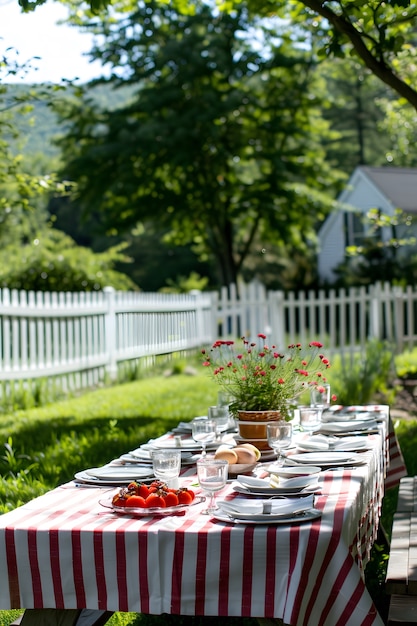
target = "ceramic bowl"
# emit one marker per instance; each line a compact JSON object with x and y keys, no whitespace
{"x":241,"y":468}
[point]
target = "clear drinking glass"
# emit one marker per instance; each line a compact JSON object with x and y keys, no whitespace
{"x":224,"y":398}
{"x":203,"y":431}
{"x":167,"y":465}
{"x":220,"y":415}
{"x":310,"y":418}
{"x":212,"y":477}
{"x":279,"y":436}
{"x":320,"y":396}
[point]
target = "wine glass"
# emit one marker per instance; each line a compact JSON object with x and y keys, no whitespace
{"x":212,"y":477}
{"x":203,"y":431}
{"x":310,"y":418}
{"x":167,"y":465}
{"x":279,"y":436}
{"x":220,"y":415}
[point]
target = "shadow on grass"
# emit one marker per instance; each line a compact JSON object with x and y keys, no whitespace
{"x":60,"y":447}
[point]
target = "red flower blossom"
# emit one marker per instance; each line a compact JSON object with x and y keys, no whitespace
{"x":260,"y":377}
{"x":315,"y":344}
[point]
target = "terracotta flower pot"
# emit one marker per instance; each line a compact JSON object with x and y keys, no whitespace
{"x":252,"y":430}
{"x":261,"y":444}
{"x":259,"y":416}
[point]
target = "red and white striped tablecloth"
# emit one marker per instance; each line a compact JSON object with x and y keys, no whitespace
{"x":65,"y":550}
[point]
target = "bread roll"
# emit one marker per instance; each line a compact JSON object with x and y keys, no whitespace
{"x":244,"y":455}
{"x":227,"y":454}
{"x":254,"y":449}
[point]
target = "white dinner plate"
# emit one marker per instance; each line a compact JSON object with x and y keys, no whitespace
{"x":328,"y":459}
{"x":273,"y":491}
{"x":364,"y":416}
{"x":83,"y":477}
{"x":129,"y":458}
{"x":146,"y":454}
{"x":122,"y":472}
{"x":348,"y":428}
{"x":185,"y":446}
{"x":155,"y":511}
{"x":303,"y":516}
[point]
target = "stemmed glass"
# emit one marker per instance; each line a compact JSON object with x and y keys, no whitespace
{"x":203,"y":431}
{"x":279,"y":436}
{"x":212,"y":477}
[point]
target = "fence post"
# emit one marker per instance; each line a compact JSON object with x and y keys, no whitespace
{"x":110,"y":332}
{"x":375,"y":311}
{"x":277,"y":317}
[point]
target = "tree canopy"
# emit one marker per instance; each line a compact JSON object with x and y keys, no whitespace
{"x":221,"y":145}
{"x":380,"y":34}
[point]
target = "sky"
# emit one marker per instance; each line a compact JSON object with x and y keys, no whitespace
{"x":60,"y":47}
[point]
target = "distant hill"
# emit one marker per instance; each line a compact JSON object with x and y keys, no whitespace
{"x":39,"y":127}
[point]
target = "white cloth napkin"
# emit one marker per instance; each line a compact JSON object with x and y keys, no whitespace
{"x":349,"y":443}
{"x":250,"y":481}
{"x":299,"y":481}
{"x":283,"y":506}
{"x":315,"y":442}
{"x":345,"y":427}
{"x":323,"y":442}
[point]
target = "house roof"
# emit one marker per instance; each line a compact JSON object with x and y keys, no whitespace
{"x":398,"y":184}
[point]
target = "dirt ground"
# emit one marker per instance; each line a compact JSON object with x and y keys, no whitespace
{"x":405,"y":404}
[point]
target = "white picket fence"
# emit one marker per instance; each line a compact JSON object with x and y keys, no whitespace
{"x":80,"y":339}
{"x":344,"y":320}
{"x":83,"y":338}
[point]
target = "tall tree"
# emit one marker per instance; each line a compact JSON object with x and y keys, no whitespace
{"x":222,"y":142}
{"x":354,"y":111}
{"x":379,"y":34}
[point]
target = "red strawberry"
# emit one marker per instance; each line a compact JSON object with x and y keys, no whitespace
{"x":171,"y":499}
{"x":144,"y":491}
{"x":184,"y":496}
{"x":154,"y":499}
{"x":136,"y":501}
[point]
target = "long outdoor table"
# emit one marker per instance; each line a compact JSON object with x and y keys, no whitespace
{"x":65,"y":550}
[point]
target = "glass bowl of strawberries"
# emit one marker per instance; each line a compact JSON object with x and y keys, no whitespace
{"x":154,"y":499}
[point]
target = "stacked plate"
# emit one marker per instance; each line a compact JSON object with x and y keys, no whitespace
{"x":340,"y":420}
{"x":114,"y":475}
{"x":282,"y":511}
{"x":284,"y":487}
{"x":328,"y":459}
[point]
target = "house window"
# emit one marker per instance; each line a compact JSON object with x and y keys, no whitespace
{"x":358,"y":229}
{"x":355,"y":228}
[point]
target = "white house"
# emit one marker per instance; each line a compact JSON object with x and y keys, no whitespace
{"x":383,"y":188}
